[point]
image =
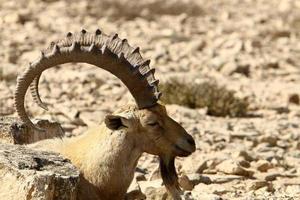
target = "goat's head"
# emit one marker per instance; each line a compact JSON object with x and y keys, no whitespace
{"x":160,"y":134}
{"x":156,"y":132}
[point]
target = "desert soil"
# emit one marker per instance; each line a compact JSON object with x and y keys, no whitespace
{"x":250,"y":47}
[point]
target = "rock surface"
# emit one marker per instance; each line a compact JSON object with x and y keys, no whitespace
{"x":35,"y":175}
{"x":14,"y":132}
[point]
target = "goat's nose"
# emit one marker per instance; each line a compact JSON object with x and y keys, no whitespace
{"x":187,"y":144}
{"x":191,"y":141}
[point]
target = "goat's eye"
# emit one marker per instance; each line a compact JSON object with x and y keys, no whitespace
{"x":153,"y":124}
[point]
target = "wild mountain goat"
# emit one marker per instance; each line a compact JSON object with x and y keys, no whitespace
{"x":107,"y":155}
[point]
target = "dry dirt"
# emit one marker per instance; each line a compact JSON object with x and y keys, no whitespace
{"x":251,"y":47}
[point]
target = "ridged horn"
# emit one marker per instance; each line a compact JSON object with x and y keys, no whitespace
{"x":98,"y":32}
{"x":97,"y":49}
{"x":83,"y":31}
{"x":136,"y":50}
{"x":34,"y":90}
{"x":69,"y":34}
{"x":114,"y":36}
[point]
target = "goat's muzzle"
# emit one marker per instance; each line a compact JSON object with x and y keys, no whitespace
{"x":184,"y":146}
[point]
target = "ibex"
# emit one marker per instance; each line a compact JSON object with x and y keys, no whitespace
{"x":107,"y":155}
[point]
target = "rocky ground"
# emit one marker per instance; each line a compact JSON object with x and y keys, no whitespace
{"x":247,"y":49}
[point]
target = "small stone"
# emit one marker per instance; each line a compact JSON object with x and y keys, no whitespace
{"x":12,"y":18}
{"x":185,"y":183}
{"x":297,"y":145}
{"x":271,"y":176}
{"x":198,"y":178}
{"x":229,"y":68}
{"x":224,"y":178}
{"x":78,"y":131}
{"x":245,"y":135}
{"x":271,"y":65}
{"x":194,"y":166}
{"x":233,"y":167}
{"x":232,"y":68}
{"x":155,"y":174}
{"x":204,"y":196}
{"x":264,"y":152}
{"x":210,"y":189}
{"x":263,"y":165}
{"x":283,"y":144}
{"x":270,"y":139}
{"x":139,"y":176}
{"x":255,"y":185}
{"x":243,"y":154}
{"x":293,"y":190}
{"x":134,"y":192}
{"x":187,"y":195}
{"x":157,"y":193}
{"x":294,"y":98}
{"x":281,"y":33}
{"x":150,"y":184}
{"x":243,"y":162}
{"x":68,"y":127}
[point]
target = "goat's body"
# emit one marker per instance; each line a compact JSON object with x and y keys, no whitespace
{"x":106,"y":160}
{"x":107,"y":155}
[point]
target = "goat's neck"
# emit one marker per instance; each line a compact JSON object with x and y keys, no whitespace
{"x":106,"y":159}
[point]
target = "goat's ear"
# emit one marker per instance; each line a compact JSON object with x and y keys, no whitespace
{"x":114,"y":122}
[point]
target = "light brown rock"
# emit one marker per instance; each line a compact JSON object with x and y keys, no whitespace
{"x":13,"y":131}
{"x":194,"y":165}
{"x":35,"y":175}
{"x":269,"y":176}
{"x":243,"y":154}
{"x":270,"y":139}
{"x":233,"y":167}
{"x":257,"y":184}
{"x":144,"y":185}
{"x":198,"y":178}
{"x":217,"y":178}
{"x":263,"y":165}
{"x":204,"y":196}
{"x":134,"y":192}
{"x":157,"y":194}
{"x":294,"y":98}
{"x":155,"y":174}
{"x":185,"y":183}
{"x":217,"y":189}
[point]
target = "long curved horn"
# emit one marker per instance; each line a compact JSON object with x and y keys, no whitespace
{"x":34,"y":90}
{"x":106,"y":52}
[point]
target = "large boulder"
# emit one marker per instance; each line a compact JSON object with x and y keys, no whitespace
{"x":13,"y":131}
{"x":35,"y":175}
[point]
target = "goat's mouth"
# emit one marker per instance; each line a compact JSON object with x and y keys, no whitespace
{"x":181,"y":152}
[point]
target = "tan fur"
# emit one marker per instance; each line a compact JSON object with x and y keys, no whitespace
{"x":107,"y":158}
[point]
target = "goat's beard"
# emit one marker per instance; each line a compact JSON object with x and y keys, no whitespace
{"x":169,"y":176}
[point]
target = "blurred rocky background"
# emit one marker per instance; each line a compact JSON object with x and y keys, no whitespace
{"x":229,"y":70}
